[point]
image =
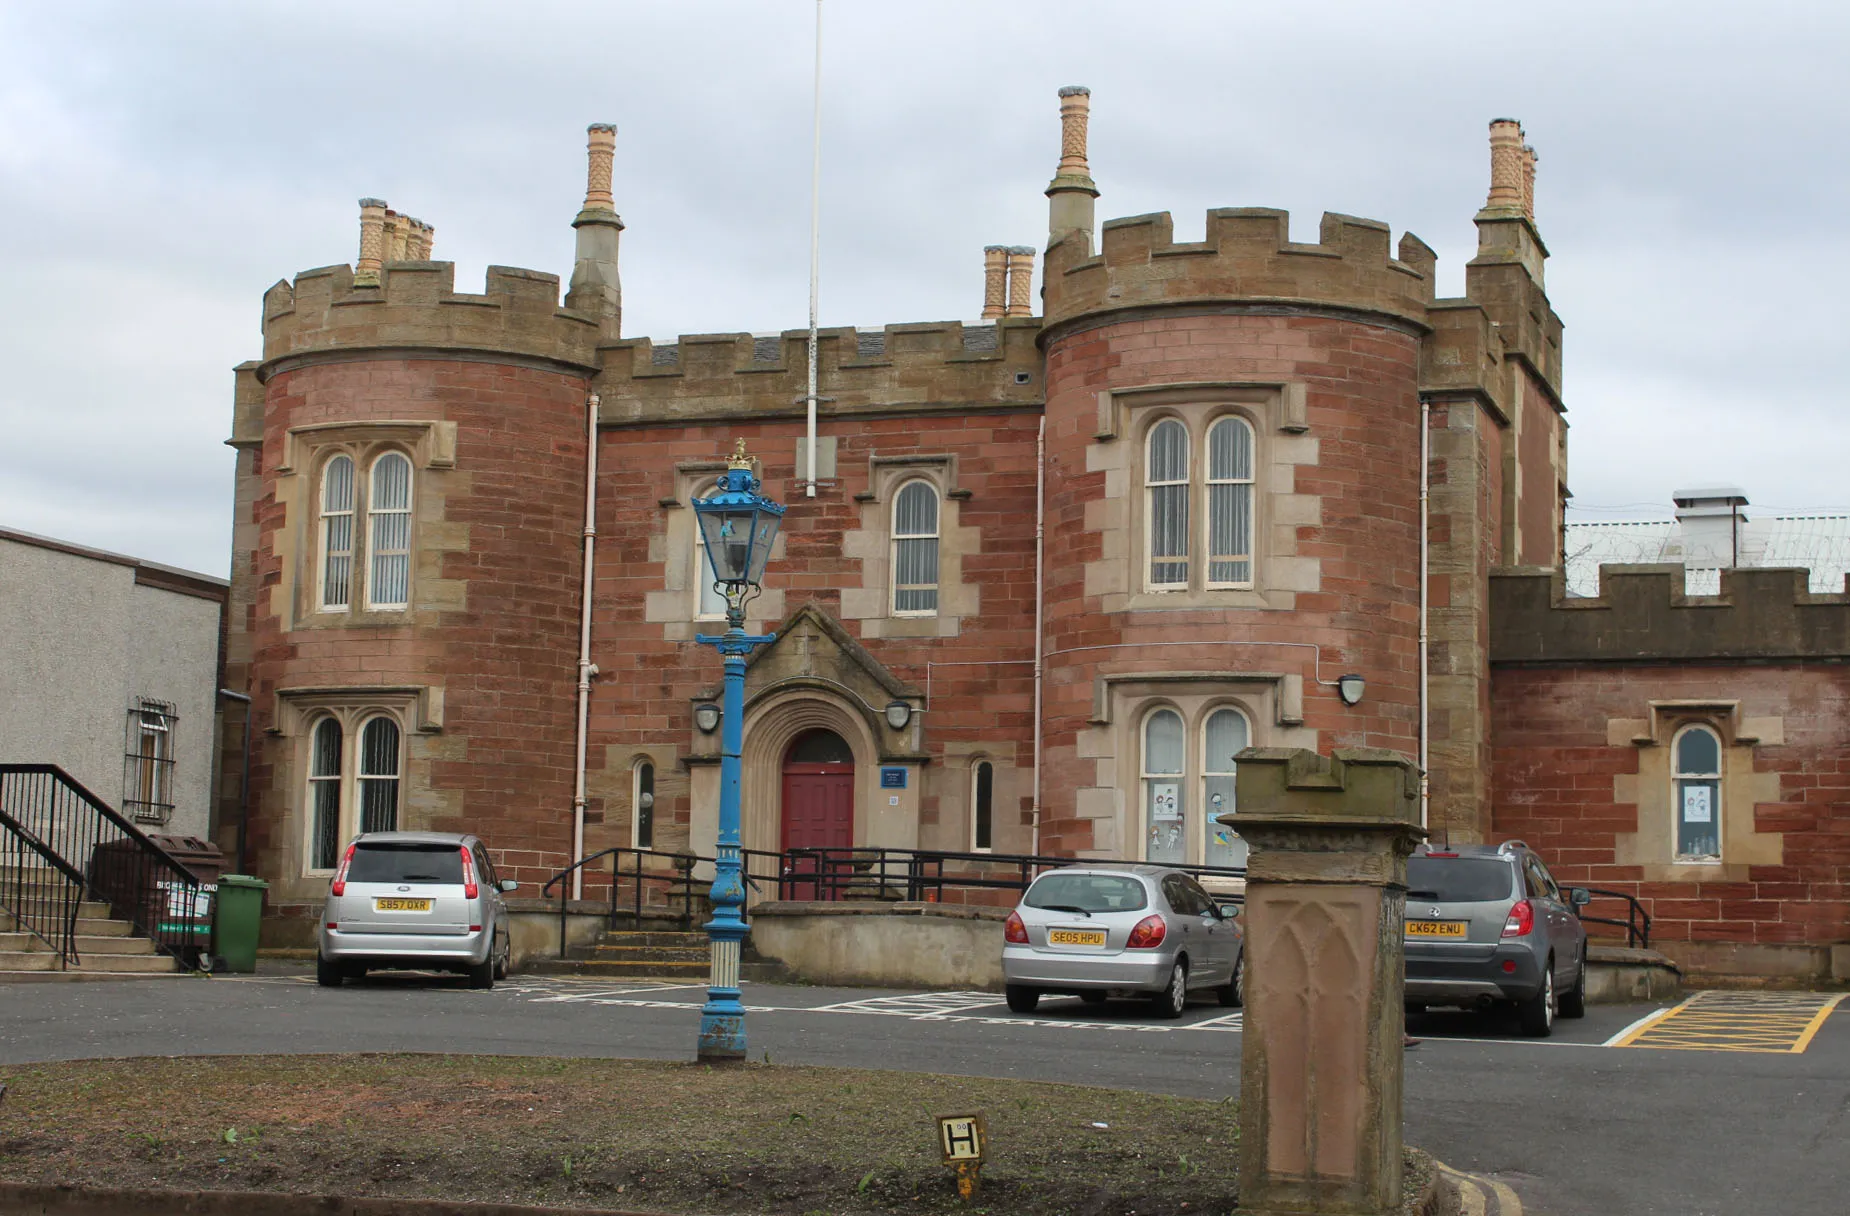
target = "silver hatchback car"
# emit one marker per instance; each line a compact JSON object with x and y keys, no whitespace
{"x":1091,"y":931}
{"x":419,"y":900}
{"x":1488,"y":925}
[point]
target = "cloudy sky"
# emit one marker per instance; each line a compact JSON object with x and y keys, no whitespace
{"x":161,"y":165}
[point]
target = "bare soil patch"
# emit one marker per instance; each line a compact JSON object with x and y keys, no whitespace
{"x":682,"y":1138}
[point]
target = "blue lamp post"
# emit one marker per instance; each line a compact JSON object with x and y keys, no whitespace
{"x":738,"y":526}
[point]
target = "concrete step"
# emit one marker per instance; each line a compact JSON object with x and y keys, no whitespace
{"x":644,"y":954}
{"x":634,"y":969}
{"x":28,"y":960}
{"x":653,"y":937}
{"x":127,"y":964}
{"x":99,"y":926}
{"x":88,"y":909}
{"x":89,"y":945}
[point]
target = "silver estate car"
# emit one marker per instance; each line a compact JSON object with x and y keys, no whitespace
{"x":1485,"y":925}
{"x":1091,"y":931}
{"x":427,"y":901}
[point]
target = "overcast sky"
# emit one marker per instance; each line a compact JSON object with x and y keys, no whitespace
{"x":162,"y":164}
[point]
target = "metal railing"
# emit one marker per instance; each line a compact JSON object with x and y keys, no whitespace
{"x":648,"y":883}
{"x":1637,"y":922}
{"x":64,"y":845}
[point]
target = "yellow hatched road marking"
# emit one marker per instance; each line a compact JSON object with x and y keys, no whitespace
{"x":1783,"y":1022}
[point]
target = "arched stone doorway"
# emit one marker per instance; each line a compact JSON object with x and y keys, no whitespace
{"x":817,"y":810}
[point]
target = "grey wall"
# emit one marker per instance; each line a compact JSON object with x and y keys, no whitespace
{"x":79,"y":640}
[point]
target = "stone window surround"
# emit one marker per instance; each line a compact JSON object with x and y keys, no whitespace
{"x":1651,"y":790}
{"x":1113,"y":741}
{"x":1278,"y":414}
{"x":428,"y":443}
{"x":676,"y":606}
{"x":871,"y":603}
{"x":416,"y":710}
{"x":1011,"y":790}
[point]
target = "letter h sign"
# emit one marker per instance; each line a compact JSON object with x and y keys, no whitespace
{"x":961,"y":1137}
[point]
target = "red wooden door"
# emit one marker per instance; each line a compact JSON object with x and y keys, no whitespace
{"x":818,"y":814}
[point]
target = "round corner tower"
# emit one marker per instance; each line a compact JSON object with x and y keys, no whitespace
{"x":1233,"y":506}
{"x":411,"y":510}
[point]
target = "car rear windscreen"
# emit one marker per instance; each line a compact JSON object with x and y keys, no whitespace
{"x":1087,"y":893}
{"x":1460,"y":879}
{"x":435,"y":863}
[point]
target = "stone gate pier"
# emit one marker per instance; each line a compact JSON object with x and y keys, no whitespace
{"x":1320,"y":1111}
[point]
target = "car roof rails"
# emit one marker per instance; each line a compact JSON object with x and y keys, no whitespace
{"x":1510,"y":846}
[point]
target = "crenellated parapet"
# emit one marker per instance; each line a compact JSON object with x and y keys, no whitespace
{"x":416,"y":306}
{"x":1247,"y":258}
{"x":1642,"y":615}
{"x":944,"y":366}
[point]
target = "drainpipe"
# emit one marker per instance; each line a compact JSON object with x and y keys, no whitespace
{"x":1425,"y":557}
{"x":244,"y":781}
{"x":585,"y":668}
{"x":1040,"y":532}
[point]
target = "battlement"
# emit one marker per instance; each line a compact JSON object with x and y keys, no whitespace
{"x":1247,"y":256}
{"x":940,"y":365}
{"x":1643,"y":616}
{"x":416,"y":305}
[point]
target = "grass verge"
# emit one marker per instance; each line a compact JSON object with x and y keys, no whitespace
{"x":683,"y":1138}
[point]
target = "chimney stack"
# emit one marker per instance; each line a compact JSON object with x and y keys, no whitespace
{"x":1506,"y":166}
{"x":595,"y":288}
{"x":372,"y":242}
{"x":1528,"y":182}
{"x":995,"y":274}
{"x":397,"y":230}
{"x":1021,"y":281}
{"x":1072,"y":190}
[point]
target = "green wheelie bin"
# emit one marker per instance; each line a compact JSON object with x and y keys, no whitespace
{"x":237,"y":915}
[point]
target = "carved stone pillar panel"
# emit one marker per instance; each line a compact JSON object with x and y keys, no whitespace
{"x":1320,"y":1111}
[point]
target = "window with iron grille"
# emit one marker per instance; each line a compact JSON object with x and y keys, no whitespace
{"x":147,"y":768}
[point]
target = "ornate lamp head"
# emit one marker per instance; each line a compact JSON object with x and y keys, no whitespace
{"x":739,"y":526}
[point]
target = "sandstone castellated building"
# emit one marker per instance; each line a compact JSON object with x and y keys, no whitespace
{"x":1093,"y":552}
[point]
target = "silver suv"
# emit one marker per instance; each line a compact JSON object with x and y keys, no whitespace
{"x":419,"y":900}
{"x":1487,"y":924}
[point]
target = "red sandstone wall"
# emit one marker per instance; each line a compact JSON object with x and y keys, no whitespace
{"x":505,"y":661}
{"x":1364,"y":415}
{"x":642,"y":696}
{"x":1553,"y":787}
{"x":1538,"y":514}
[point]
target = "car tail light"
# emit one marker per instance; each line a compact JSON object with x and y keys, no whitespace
{"x":339,"y":885}
{"x":470,"y":890}
{"x":1014,"y":931}
{"x":1147,"y":933}
{"x":1521,"y":921}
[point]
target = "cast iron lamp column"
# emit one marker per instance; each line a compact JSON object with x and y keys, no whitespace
{"x":739,"y":526}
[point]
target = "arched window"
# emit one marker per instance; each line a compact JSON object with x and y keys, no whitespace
{"x":388,"y":510}
{"x":378,"y":775}
{"x":337,"y":534}
{"x":915,"y":549}
{"x":642,"y":802}
{"x":1697,"y":761}
{"x":324,"y":795}
{"x":1230,"y":503}
{"x":1166,"y":490}
{"x":710,"y":601}
{"x":1164,"y":808}
{"x":982,"y":806}
{"x":1225,"y":735}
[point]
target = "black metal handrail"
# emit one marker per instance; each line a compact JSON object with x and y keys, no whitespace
{"x":1637,"y":922}
{"x":113,"y":860}
{"x":38,"y":890}
{"x":828,"y":875}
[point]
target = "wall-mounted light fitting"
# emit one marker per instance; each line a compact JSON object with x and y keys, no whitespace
{"x":898,"y":713}
{"x":1350,"y":688}
{"x":706,"y":717}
